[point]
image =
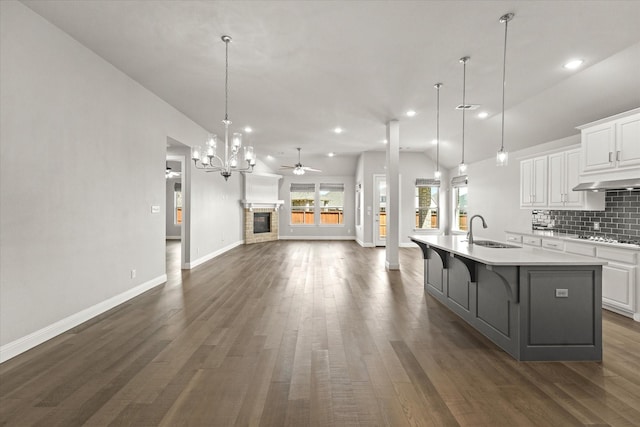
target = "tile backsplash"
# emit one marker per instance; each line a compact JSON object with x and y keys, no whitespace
{"x":619,"y":220}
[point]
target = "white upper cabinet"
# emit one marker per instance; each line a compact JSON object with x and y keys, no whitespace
{"x":533,"y":182}
{"x":548,"y":182}
{"x":628,"y":141}
{"x":612,"y":145}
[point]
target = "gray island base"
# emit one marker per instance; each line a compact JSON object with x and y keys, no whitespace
{"x":536,"y":305}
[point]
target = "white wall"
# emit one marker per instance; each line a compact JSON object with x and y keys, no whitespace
{"x":82,"y":160}
{"x":345,"y":231}
{"x":494,"y":192}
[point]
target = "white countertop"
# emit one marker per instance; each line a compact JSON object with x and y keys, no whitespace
{"x":504,"y":256}
{"x":571,"y":237}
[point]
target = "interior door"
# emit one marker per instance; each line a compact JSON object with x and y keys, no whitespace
{"x":380,"y":210}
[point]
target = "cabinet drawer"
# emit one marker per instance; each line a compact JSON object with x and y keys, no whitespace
{"x":557,"y":245}
{"x":618,"y":255}
{"x":580,"y":249}
{"x":514,"y":238}
{"x":531,"y":241}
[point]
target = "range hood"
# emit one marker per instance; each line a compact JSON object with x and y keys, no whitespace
{"x":618,"y":184}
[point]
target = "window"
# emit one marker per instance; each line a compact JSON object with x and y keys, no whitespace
{"x":331,"y":204}
{"x":427,"y":193}
{"x":303,"y":198}
{"x":459,"y":185}
{"x":177,"y":204}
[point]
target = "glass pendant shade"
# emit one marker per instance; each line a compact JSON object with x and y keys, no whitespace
{"x":237,"y":140}
{"x":437,"y":174}
{"x":211,"y":145}
{"x":196,"y":152}
{"x":502,"y":157}
{"x":298,"y":171}
{"x":462,"y":168}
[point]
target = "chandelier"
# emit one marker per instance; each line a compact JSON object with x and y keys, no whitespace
{"x":207,"y":157}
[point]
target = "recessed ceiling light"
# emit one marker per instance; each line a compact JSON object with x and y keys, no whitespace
{"x":483,"y":115}
{"x":248,"y":129}
{"x":434,"y":141}
{"x":411,"y":113}
{"x":270,"y":157}
{"x":573,"y":64}
{"x":331,"y":154}
{"x":384,"y":141}
{"x":338,"y":130}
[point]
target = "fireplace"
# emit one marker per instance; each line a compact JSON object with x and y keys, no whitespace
{"x":261,"y":222}
{"x":261,"y":207}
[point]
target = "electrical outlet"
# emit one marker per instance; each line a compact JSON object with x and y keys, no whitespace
{"x":133,"y":273}
{"x":596,"y":226}
{"x":562,"y":293}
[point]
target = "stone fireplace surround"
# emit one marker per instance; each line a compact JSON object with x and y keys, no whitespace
{"x":249,"y":236}
{"x":261,"y":195}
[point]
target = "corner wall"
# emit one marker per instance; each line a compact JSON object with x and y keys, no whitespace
{"x":76,"y":219}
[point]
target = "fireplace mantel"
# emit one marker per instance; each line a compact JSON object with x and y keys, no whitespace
{"x":256,"y":204}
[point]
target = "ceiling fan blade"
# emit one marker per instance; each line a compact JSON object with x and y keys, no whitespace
{"x":287,"y":167}
{"x":307,"y":168}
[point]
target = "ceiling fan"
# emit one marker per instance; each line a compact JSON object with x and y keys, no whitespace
{"x":298,"y":169}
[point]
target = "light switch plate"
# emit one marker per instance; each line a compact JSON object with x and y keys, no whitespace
{"x":562,"y":293}
{"x":155,"y":208}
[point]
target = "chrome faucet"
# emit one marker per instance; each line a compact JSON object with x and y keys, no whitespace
{"x":470,"y":233}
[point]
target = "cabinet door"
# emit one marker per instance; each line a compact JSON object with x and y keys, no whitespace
{"x":540,"y":181}
{"x":598,"y":147}
{"x":618,"y":286}
{"x":572,"y":179}
{"x":557,"y":185}
{"x":628,"y":141}
{"x":526,"y":182}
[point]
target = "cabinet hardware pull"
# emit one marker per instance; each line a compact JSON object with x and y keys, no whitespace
{"x":610,"y":156}
{"x":617,"y":156}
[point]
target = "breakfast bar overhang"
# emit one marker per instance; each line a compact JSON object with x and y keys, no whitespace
{"x":536,"y":305}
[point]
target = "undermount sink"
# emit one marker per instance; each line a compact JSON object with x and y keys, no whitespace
{"x":492,"y":244}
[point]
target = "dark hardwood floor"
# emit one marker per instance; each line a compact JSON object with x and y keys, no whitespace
{"x":306,"y":333}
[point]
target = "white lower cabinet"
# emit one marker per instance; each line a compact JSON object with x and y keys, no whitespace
{"x":619,"y":278}
{"x":618,"y":286}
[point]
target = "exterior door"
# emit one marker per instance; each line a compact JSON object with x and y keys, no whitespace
{"x":380,"y":210}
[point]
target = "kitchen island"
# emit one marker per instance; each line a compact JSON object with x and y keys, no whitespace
{"x":532,"y":303}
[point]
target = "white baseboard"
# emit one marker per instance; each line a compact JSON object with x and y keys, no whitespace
{"x":317,"y":238}
{"x":197,"y":262}
{"x":36,"y":338}
{"x":365,"y":245}
{"x":390,"y":266}
{"x":636,"y":317}
{"x":173,"y":237}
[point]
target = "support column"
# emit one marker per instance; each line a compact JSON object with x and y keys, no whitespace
{"x":393,"y":196}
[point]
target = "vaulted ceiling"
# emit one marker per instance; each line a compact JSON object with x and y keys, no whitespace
{"x":298,"y":69}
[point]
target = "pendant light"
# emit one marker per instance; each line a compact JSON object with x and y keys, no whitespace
{"x":462,"y":167}
{"x":502,"y":157}
{"x":208,"y":158}
{"x":437,"y":173}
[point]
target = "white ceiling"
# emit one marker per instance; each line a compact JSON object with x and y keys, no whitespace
{"x":298,"y":69}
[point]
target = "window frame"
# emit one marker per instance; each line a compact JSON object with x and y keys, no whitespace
{"x":457,"y":183}
{"x":177,"y":194}
{"x":306,"y":210}
{"x":432,"y":184}
{"x":336,"y":187}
